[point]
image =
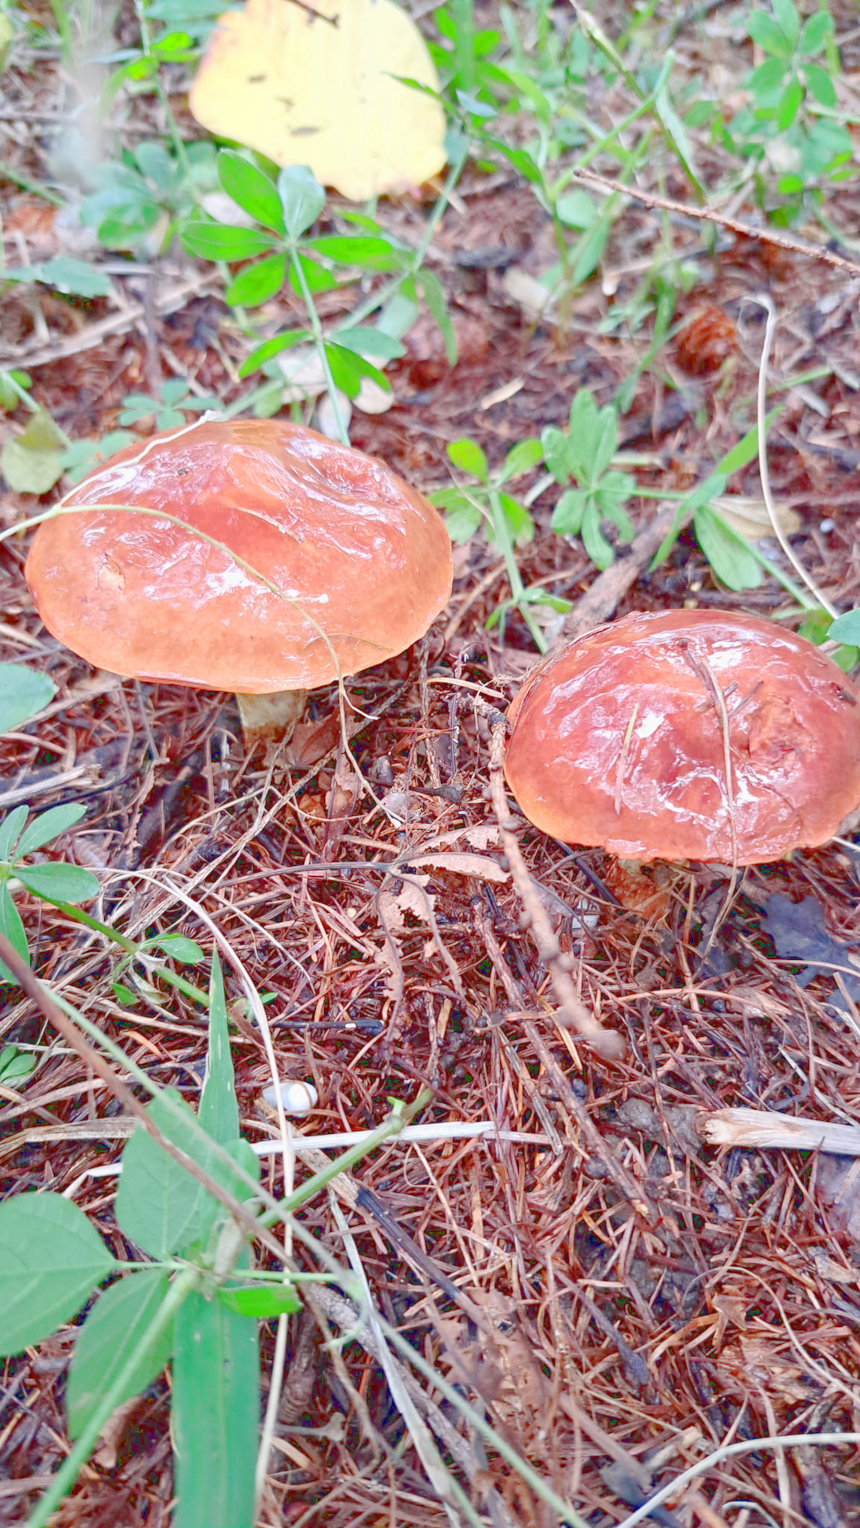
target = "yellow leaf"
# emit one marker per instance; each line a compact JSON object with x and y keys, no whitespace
{"x":316,"y":85}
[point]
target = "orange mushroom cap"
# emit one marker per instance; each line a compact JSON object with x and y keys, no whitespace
{"x":363,"y":560}
{"x":621,"y":740}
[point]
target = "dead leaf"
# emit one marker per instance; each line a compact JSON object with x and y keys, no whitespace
{"x":326,"y":90}
{"x":749,"y":517}
{"x":464,"y":864}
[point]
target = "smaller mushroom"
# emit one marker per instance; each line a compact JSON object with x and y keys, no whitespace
{"x":287,"y":561}
{"x":687,"y":734}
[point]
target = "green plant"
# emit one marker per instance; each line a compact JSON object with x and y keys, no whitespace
{"x":584,"y":455}
{"x":170,"y":409}
{"x":15,"y":1066}
{"x":148,"y":195}
{"x":506,"y":522}
{"x":23,"y":692}
{"x":280,"y":250}
{"x":791,"y":126}
{"x":55,"y":882}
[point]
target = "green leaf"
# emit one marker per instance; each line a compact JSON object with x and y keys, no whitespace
{"x":257,"y":283}
{"x":23,"y":693}
{"x":521,"y":526}
{"x":221,"y":241}
{"x":11,"y":828}
{"x":371,"y":343}
{"x":12,"y":927}
{"x":589,"y":249}
{"x":32,"y":461}
{"x":520,"y":459}
{"x":596,"y":545}
{"x":576,"y":209}
{"x":568,"y":512}
{"x":251,"y":190}
{"x":766,"y":80}
{"x":816,"y":30}
{"x":214,"y":1416}
{"x":270,"y":348}
{"x":316,"y":276}
{"x":729,"y":556}
{"x":348,"y":368}
{"x":58,"y":883}
{"x":462,"y":518}
{"x":744,"y":452}
{"x":49,"y":825}
{"x":469,"y":457}
{"x":765,"y":31}
{"x":820,"y":85}
{"x":556,"y":452}
{"x":219,"y":1111}
{"x":158,"y":1204}
{"x":431,"y":289}
{"x":789,"y":104}
{"x":76,"y":278}
{"x":51,"y":1259}
{"x":260,"y":1300}
{"x":366,"y":254}
{"x":846,"y":628}
{"x":177,"y":947}
{"x":302,"y":199}
{"x":586,"y":426}
{"x":15,"y":1066}
{"x":111,"y":1331}
{"x":787,"y":20}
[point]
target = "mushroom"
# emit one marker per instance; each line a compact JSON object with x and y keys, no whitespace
{"x":271,"y":562}
{"x":687,"y":734}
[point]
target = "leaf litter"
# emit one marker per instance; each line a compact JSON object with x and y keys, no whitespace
{"x":627,"y":1297}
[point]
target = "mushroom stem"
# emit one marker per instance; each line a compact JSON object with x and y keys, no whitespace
{"x":270,"y":718}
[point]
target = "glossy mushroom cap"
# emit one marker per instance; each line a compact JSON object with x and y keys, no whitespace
{"x":620,"y":740}
{"x":362,"y":561}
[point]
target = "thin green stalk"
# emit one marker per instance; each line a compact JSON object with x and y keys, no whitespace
{"x":136,"y":951}
{"x":68,"y":1471}
{"x":505,"y":545}
{"x":319,"y":342}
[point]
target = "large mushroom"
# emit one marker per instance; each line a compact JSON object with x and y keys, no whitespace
{"x":286,"y":562}
{"x":687,"y":734}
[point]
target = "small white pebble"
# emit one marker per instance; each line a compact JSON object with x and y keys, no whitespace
{"x":298,"y":1098}
{"x":826,"y":526}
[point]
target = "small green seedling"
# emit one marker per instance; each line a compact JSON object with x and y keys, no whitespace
{"x":56,"y":882}
{"x":584,"y":456}
{"x":143,"y":199}
{"x":169,"y":409}
{"x":15,"y":1066}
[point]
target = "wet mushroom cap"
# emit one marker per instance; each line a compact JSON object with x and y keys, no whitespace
{"x":363,"y":560}
{"x":620,"y":740}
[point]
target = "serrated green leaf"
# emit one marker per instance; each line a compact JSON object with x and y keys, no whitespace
{"x":257,"y":283}
{"x":51,"y":1259}
{"x":215,"y":1411}
{"x":846,"y":628}
{"x":728,"y":555}
{"x":32,"y":461}
{"x":251,"y":190}
{"x":260,"y":1300}
{"x":40,"y":830}
{"x":13,"y":929}
{"x":302,"y":199}
{"x":11,"y":828}
{"x":58,"y":883}
{"x":468,"y":456}
{"x":113,"y":1329}
{"x":221,"y":241}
